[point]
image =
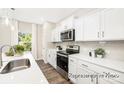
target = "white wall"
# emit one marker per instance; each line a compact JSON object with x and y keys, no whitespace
{"x":9,"y":33}
{"x":39,"y":40}
{"x":5,"y":34}
{"x":25,"y":27}
{"x":14,"y":32}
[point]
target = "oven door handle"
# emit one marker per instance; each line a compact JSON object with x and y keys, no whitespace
{"x":62,"y":55}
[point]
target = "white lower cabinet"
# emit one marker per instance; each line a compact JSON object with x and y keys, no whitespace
{"x":72,"y":69}
{"x":51,"y":57}
{"x":84,"y":76}
{"x":87,"y":73}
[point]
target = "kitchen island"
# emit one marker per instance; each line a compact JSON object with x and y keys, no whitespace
{"x":32,"y":75}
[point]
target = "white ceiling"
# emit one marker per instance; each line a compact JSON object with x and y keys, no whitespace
{"x":39,"y":15}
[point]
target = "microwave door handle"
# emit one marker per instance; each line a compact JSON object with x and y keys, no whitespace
{"x":68,"y":35}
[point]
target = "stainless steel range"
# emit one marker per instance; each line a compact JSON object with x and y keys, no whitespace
{"x":62,"y":59}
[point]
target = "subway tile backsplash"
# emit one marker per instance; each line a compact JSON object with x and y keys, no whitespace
{"x":114,"y":49}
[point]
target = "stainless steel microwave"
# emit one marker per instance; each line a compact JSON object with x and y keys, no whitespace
{"x":68,"y":35}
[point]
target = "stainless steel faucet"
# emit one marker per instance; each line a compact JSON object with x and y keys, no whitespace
{"x":1,"y":48}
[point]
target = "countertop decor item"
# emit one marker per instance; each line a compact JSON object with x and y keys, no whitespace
{"x":19,"y":49}
{"x":10,"y":52}
{"x":100,"y":52}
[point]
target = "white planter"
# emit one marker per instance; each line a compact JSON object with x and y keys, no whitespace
{"x":18,"y":55}
{"x":99,"y":56}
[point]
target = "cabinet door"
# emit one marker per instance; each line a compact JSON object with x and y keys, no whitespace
{"x":53,"y":36}
{"x":72,"y":69}
{"x":84,"y":79}
{"x":79,"y":25}
{"x":113,"y":25}
{"x":53,"y":58}
{"x":48,"y":56}
{"x":67,"y":23}
{"x":64,"y":25}
{"x":85,"y":74}
{"x":70,"y":22}
{"x":92,"y":27}
{"x":56,"y":35}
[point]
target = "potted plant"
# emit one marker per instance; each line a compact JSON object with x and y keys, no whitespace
{"x":100,"y":52}
{"x":19,"y":50}
{"x":10,"y":52}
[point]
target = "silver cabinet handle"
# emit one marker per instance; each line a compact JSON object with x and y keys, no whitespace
{"x":97,"y":80}
{"x":91,"y":79}
{"x":62,"y":55}
{"x":102,"y":33}
{"x":84,"y":65}
{"x":71,"y":60}
{"x":98,"y":34}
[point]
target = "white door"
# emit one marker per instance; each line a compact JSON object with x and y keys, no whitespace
{"x":113,"y":25}
{"x":92,"y":27}
{"x":79,"y":24}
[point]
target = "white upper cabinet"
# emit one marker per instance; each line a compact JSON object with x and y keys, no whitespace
{"x":67,"y":23}
{"x":112,"y":24}
{"x":56,"y":34}
{"x":79,"y":29}
{"x":97,"y":25}
{"x":107,"y":24}
{"x":92,"y":27}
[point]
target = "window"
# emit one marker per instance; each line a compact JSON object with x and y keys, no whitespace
{"x":25,"y":35}
{"x":25,"y":40}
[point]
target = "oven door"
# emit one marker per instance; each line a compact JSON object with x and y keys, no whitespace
{"x":62,"y":62}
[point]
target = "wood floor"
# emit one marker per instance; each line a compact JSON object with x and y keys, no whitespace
{"x":51,"y":74}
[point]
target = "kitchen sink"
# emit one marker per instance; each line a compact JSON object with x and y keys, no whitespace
{"x":16,"y":65}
